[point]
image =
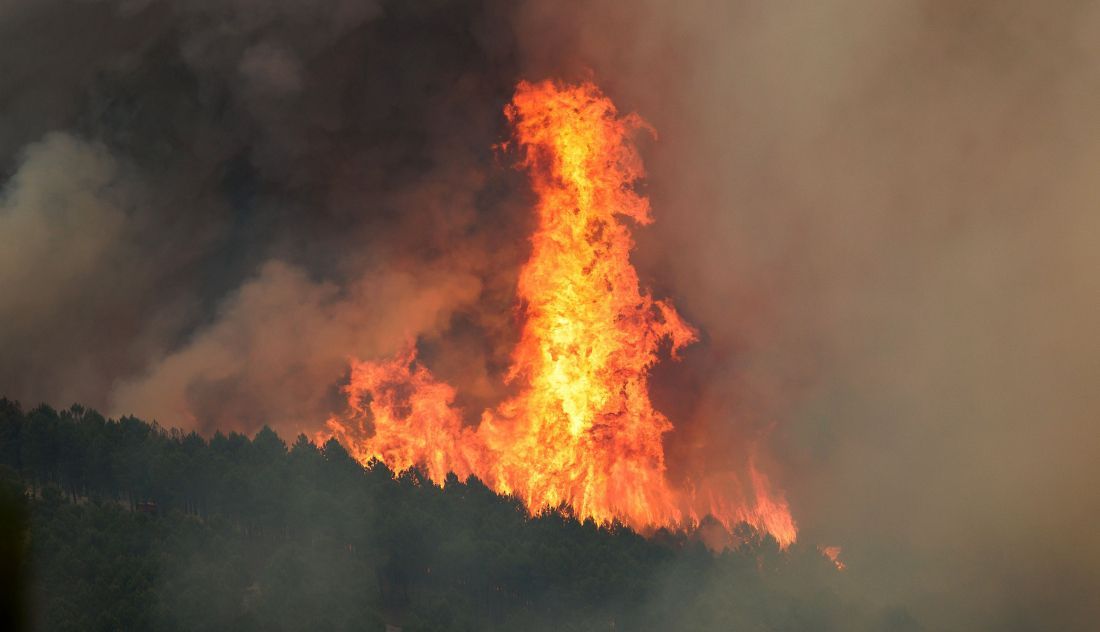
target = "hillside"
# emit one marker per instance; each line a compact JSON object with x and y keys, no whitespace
{"x":132,"y":526}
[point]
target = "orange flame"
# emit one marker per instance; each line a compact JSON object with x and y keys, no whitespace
{"x":832,"y":553}
{"x":414,"y":421}
{"x":581,"y":431}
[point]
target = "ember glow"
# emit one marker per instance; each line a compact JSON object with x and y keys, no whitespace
{"x":832,"y":553}
{"x":581,"y":431}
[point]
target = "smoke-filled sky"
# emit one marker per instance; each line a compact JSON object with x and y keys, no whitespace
{"x":880,"y":215}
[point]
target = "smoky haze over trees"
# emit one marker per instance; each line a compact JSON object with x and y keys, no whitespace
{"x":881,"y":216}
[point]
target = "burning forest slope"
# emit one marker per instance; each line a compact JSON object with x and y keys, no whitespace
{"x":136,"y":527}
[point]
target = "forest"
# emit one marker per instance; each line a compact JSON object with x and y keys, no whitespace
{"x":119,"y":524}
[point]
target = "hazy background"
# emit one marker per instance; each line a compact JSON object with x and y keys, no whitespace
{"x":880,"y":215}
{"x":887,"y":211}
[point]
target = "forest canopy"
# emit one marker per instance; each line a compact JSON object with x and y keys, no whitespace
{"x":129,"y":525}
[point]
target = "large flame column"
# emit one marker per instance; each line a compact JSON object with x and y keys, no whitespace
{"x":584,"y":422}
{"x":581,"y":431}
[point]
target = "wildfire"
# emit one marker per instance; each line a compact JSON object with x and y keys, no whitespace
{"x":581,"y":430}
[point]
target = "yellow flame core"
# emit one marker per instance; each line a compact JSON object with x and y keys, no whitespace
{"x":582,"y":430}
{"x":585,"y":420}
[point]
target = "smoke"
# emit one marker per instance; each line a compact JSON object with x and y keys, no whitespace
{"x":74,"y":295}
{"x":281,"y":338}
{"x":880,"y":216}
{"x":211,"y":206}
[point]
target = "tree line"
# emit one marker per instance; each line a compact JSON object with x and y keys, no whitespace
{"x":122,"y":524}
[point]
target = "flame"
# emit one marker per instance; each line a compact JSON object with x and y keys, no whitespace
{"x":832,"y":553}
{"x":414,"y":420}
{"x":581,"y":429}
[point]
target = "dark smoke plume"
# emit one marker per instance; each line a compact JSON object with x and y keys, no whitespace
{"x":212,"y":205}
